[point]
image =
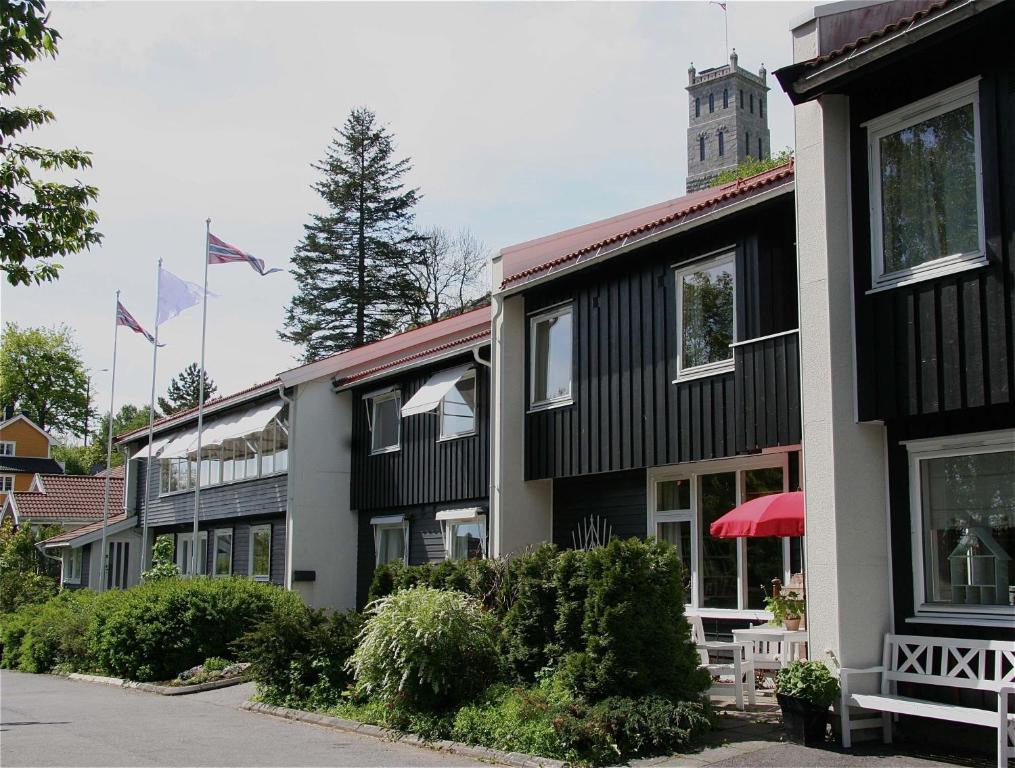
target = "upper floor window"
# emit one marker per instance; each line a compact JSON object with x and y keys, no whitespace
{"x":711,"y":102}
{"x":725,"y":98}
{"x":747,"y":143}
{"x":963,"y":514}
{"x":926,"y":189}
{"x":760,"y":153}
{"x":752,"y":103}
{"x":741,"y":98}
{"x":761,"y":107}
{"x":458,"y":408}
{"x":7,"y":447}
{"x":550,"y":357}
{"x":701,"y":148}
{"x":705,"y":317}
{"x":385,"y":421}
{"x":722,"y":144}
{"x":697,"y":106}
{"x":6,"y":483}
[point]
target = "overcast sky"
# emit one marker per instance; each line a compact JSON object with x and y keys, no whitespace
{"x":521,"y":119}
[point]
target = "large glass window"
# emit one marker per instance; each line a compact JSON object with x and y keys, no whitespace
{"x":260,"y":552}
{"x":466,"y":539}
{"x":925,"y":188}
{"x":719,"y":585}
{"x":223,"y":552}
{"x":385,"y":422}
{"x":458,"y":408}
{"x":184,"y":553}
{"x":764,"y":555}
{"x":705,"y":314}
{"x":674,"y":519}
{"x":551,"y":357}
{"x":966,"y":515}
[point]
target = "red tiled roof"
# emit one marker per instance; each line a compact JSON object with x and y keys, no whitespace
{"x":60,"y":538}
{"x":527,"y":260}
{"x":70,"y":497}
{"x":182,"y":416}
{"x":412,"y":358}
{"x":119,"y":471}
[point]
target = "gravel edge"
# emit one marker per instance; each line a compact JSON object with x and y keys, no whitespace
{"x":162,"y":690}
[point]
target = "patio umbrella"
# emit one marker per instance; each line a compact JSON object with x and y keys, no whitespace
{"x":778,"y":514}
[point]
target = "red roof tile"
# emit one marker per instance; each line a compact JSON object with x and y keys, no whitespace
{"x":70,"y":497}
{"x":66,"y":536}
{"x":413,"y":358}
{"x":528,"y":260}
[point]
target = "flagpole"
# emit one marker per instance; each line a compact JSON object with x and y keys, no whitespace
{"x":151,"y":427}
{"x":200,"y":401}
{"x":109,"y":447}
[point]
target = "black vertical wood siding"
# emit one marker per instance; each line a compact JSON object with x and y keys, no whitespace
{"x":627,"y":412}
{"x":766,"y":383}
{"x":618,"y":498}
{"x":945,"y":344}
{"x":424,"y":470}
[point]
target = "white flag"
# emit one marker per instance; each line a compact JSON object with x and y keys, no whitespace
{"x":176,"y":295}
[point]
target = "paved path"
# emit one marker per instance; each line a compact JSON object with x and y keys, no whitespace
{"x":50,"y":721}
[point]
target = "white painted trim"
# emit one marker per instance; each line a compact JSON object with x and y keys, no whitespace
{"x":14,"y":447}
{"x":231,"y":533}
{"x":728,"y":255}
{"x":70,"y":555}
{"x":948,"y":100}
{"x":3,"y":483}
{"x":395,"y":394}
{"x":765,"y":338}
{"x":390,"y":523}
{"x":444,"y":437}
{"x":558,"y":310}
{"x":250,"y":551}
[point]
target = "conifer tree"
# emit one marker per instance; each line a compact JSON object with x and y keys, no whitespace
{"x":351,"y":264}
{"x":184,"y":390}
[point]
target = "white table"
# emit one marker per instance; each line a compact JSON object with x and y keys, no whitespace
{"x":789,"y":641}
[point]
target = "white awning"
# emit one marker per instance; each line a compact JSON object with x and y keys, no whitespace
{"x":467,"y":513}
{"x":239,"y":423}
{"x":387,"y":520}
{"x":158,"y":444}
{"x":430,"y":394}
{"x":180,"y":445}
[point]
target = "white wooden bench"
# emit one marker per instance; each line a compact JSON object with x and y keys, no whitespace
{"x":979,"y":665}
{"x":740,"y":665}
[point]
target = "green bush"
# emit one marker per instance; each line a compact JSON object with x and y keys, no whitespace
{"x":652,"y":724}
{"x":215,"y":664}
{"x":298,"y":655}
{"x":529,"y":621}
{"x":57,"y":633}
{"x":425,"y":649}
{"x":13,"y":628}
{"x":27,"y":577}
{"x":810,"y":680}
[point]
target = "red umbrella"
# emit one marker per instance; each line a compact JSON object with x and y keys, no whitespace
{"x":778,"y":514}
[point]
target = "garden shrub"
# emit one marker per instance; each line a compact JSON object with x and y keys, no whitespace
{"x":13,"y":628}
{"x":298,"y":655}
{"x":425,"y":649}
{"x":529,"y":621}
{"x":652,"y":724}
{"x":57,"y":633}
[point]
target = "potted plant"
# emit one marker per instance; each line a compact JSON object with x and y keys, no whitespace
{"x":805,"y":690}
{"x":786,"y":608}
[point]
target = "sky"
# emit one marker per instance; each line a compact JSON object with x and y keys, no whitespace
{"x":521,"y":119}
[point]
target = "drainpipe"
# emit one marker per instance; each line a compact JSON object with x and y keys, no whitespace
{"x":289,"y":489}
{"x":497,"y":453}
{"x":44,"y":553}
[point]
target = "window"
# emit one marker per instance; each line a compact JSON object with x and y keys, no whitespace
{"x":223,"y":556}
{"x":705,"y":317}
{"x":761,"y":107}
{"x":962,"y":494}
{"x":6,"y":483}
{"x":725,"y":98}
{"x":711,"y":102}
{"x":385,"y":421}
{"x":550,"y":357}
{"x":465,"y":534}
{"x":741,"y":98}
{"x":260,"y":552}
{"x":458,"y":408}
{"x":274,"y":448}
{"x":391,"y":539}
{"x":752,"y":103}
{"x":7,"y":447}
{"x":701,"y":149}
{"x":72,"y":566}
{"x":721,"y":574}
{"x":119,"y":565}
{"x":747,"y":143}
{"x":722,"y":143}
{"x":926,"y":189}
{"x":697,"y":106}
{"x":184,"y":553}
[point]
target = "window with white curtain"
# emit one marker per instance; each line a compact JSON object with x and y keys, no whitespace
{"x":926,"y":188}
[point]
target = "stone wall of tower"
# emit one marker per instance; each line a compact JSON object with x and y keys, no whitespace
{"x":730,"y":101}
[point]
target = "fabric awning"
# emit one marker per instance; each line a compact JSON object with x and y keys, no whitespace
{"x":430,"y":394}
{"x":158,"y":444}
{"x":387,"y":520}
{"x":778,"y":514}
{"x":468,"y":513}
{"x":180,"y":445}
{"x":239,"y":424}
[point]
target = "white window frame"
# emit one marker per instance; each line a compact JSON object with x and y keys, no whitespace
{"x":71,"y":557}
{"x":202,"y":544}
{"x":8,"y":448}
{"x":373,"y":400}
{"x":562,"y":400}
{"x":900,"y":119}
{"x":397,"y":525}
{"x":713,"y":259}
{"x":692,"y":472}
{"x":448,"y":527}
{"x":214,"y":553}
{"x":469,"y":374}
{"x":250,"y":554}
{"x":936,"y":448}
{"x":7,"y":483}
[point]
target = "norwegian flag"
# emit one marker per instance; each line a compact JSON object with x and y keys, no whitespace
{"x":123,"y":317}
{"x":221,"y":252}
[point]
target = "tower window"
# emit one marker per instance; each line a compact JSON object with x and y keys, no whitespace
{"x":722,"y":143}
{"x":761,"y":107}
{"x":741,"y":98}
{"x":711,"y":102}
{"x":752,"y":103}
{"x":725,"y":98}
{"x":747,"y":143}
{"x":697,"y":106}
{"x":701,"y":148}
{"x":759,"y":149}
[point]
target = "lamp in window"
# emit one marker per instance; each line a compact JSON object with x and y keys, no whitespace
{"x":979,"y":569}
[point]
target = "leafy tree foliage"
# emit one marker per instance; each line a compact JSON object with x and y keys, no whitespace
{"x":40,"y":220}
{"x":26,"y":575}
{"x":82,"y":459}
{"x":351,"y":266}
{"x":184,"y":390}
{"x":752,"y":166}
{"x":42,"y":375}
{"x":163,"y":564}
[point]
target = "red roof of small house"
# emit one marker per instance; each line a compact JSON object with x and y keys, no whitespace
{"x":409,"y":348}
{"x":69,"y":497}
{"x":536,"y":258}
{"x":68,"y":536}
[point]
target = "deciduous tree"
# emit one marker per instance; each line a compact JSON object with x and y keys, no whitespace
{"x":447,"y":275}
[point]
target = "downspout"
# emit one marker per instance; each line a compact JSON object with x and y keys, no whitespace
{"x":290,"y":487}
{"x":44,"y":553}
{"x":496,"y":457}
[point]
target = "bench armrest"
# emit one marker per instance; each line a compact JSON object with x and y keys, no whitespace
{"x":844,"y":671}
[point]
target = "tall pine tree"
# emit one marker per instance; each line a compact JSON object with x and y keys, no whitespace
{"x":351,"y":265}
{"x":185,"y":390}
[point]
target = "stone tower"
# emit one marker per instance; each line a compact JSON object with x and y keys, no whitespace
{"x":728,"y":109}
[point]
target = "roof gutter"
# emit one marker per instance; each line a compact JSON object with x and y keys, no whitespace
{"x":632,"y":243}
{"x":411,"y":364}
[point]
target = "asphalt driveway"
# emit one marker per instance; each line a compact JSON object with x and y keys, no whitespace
{"x":50,"y":721}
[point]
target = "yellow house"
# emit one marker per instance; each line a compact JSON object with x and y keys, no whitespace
{"x":24,"y":452}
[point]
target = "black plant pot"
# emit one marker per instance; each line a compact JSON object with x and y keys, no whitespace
{"x":804,"y":721}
